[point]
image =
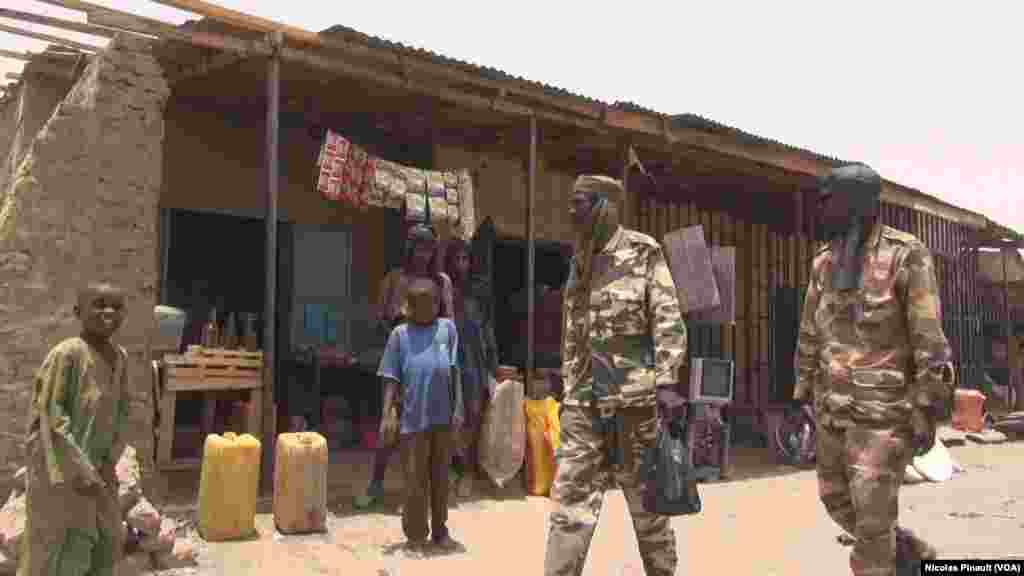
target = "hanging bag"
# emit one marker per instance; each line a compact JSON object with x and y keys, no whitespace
{"x":670,"y":479}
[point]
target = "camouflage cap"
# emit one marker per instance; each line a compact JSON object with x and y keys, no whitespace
{"x":600,"y":187}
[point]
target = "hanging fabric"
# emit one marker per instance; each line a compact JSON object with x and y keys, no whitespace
{"x":347,"y":172}
{"x":415,"y":195}
{"x":451,"y":188}
{"x":389,"y":183}
{"x":370,"y":193}
{"x":331,"y":163}
{"x":438,"y":197}
{"x":356,"y":172}
{"x":467,"y":216}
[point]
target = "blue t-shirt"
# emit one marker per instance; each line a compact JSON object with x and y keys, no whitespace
{"x":421,"y":359}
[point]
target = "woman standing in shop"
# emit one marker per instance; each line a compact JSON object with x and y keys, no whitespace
{"x":478,"y":357}
{"x":393,"y":309}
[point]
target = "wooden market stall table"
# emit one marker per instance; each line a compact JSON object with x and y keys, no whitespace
{"x":211,"y":372}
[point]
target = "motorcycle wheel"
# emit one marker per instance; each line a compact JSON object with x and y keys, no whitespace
{"x":794,"y":438}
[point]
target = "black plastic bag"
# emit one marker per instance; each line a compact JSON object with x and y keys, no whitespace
{"x":671,"y":484}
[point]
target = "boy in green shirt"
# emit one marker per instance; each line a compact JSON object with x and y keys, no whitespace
{"x":79,"y":407}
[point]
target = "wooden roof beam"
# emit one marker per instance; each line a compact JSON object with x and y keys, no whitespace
{"x":407,"y":59}
{"x":47,"y":38}
{"x":24,"y":56}
{"x":111,"y":17}
{"x":35,"y":56}
{"x":71,"y":25}
{"x":139,"y":25}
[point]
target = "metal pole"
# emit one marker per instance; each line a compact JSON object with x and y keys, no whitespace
{"x":530,"y":255}
{"x":270,"y":302}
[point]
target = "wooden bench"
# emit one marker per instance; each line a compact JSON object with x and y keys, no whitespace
{"x":207,"y":371}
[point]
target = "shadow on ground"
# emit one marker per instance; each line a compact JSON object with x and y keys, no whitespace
{"x":422,"y":550}
{"x":349,"y":473}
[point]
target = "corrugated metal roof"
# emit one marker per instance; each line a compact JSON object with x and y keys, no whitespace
{"x":484,"y":71}
{"x":701,"y":123}
{"x":692,"y":121}
{"x":680,"y":120}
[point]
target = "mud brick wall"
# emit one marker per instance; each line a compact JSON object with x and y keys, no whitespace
{"x":82,"y":206}
{"x":23,"y":116}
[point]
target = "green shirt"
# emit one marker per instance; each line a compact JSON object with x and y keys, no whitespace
{"x":79,"y":407}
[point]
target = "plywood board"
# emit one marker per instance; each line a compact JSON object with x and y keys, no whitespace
{"x":723,"y":266}
{"x":690,"y":262}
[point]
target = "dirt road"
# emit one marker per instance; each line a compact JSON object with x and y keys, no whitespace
{"x":766,"y":526}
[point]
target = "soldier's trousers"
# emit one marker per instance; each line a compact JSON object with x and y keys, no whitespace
{"x":579,"y":486}
{"x":860,"y":471}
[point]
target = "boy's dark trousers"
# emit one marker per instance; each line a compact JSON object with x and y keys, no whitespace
{"x":425,"y":457}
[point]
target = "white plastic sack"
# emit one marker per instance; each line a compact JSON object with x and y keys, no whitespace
{"x":503,"y":433}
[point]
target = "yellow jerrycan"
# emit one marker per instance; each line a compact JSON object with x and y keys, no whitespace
{"x":300,"y":483}
{"x":228,"y":485}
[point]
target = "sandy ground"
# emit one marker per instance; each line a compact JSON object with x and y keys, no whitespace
{"x":770,"y":524}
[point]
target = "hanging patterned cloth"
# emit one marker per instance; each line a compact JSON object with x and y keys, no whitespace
{"x":331,"y":163}
{"x":372,"y":194}
{"x":347,"y":172}
{"x":356,"y":173}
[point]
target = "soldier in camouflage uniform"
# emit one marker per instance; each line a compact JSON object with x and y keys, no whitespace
{"x":624,"y":343}
{"x":873,"y":358}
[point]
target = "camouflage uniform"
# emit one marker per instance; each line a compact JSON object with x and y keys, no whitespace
{"x":632,"y":300}
{"x":871,"y":356}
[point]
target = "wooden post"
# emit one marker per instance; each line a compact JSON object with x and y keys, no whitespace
{"x":270,"y":302}
{"x":625,"y":206}
{"x":1014,"y":386}
{"x":801,"y":223}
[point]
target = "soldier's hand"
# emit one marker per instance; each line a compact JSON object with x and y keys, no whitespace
{"x":671,"y":409}
{"x":923,"y":425}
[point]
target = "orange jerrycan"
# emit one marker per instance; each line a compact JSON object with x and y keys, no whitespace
{"x":300,"y":483}
{"x":968,"y":410}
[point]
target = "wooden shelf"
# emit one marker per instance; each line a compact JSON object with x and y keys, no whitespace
{"x":207,"y":371}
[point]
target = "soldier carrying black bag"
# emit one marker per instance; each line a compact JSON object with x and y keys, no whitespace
{"x":623,"y":343}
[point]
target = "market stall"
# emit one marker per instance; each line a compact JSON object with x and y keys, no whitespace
{"x":327,"y":343}
{"x":324,"y":365}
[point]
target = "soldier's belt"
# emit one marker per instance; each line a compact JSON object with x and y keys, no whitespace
{"x":608,"y":404}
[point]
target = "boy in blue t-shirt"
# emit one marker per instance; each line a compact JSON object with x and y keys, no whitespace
{"x":421,"y":374}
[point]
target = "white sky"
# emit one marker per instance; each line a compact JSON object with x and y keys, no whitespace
{"x":929,"y":94}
